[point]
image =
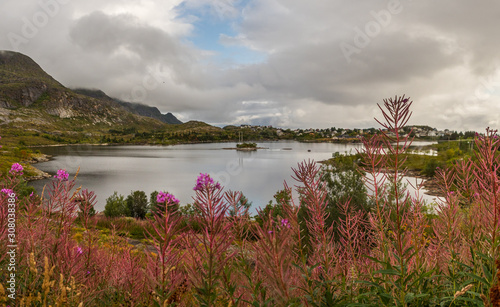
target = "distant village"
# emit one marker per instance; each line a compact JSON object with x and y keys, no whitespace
{"x":339,"y":134}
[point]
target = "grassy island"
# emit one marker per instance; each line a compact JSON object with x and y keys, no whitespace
{"x":246,"y":145}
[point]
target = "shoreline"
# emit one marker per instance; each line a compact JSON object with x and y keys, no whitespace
{"x":39,"y":174}
{"x":155,"y":144}
{"x":337,"y":141}
{"x":245,"y":148}
{"x":61,"y":145}
{"x":430,"y":184}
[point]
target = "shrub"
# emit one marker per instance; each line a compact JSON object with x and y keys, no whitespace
{"x":86,"y":202}
{"x":242,"y":205}
{"x":116,"y":206}
{"x":430,"y":168}
{"x":344,"y":183}
{"x":137,"y":204}
{"x":274,"y":210}
{"x":153,"y":201}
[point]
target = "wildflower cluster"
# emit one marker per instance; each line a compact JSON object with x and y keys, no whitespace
{"x":285,"y":223}
{"x":62,"y":175}
{"x":163,"y":197}
{"x":16,"y":169}
{"x":203,"y":181}
{"x":7,"y":191}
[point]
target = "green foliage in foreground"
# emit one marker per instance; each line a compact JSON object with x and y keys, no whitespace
{"x":345,"y":184}
{"x":393,"y":255}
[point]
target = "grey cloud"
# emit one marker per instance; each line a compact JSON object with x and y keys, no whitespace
{"x":106,"y":34}
{"x":473,"y":26}
{"x":408,"y":56}
{"x":435,"y":51}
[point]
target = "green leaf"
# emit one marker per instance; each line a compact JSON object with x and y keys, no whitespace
{"x":376,"y":260}
{"x":487,"y":273}
{"x":479,"y":279}
{"x":388,"y":272}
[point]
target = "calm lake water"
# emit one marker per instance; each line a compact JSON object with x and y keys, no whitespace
{"x":258,"y":174}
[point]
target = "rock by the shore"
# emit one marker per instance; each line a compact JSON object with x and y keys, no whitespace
{"x":39,"y":174}
{"x":38,"y":157}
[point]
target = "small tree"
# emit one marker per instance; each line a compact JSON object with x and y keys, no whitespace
{"x":115,"y":206}
{"x":137,"y":204}
{"x":343,"y":184}
{"x":153,"y":204}
{"x":274,"y":210}
{"x":85,"y":206}
{"x":243,"y":205}
{"x":430,"y":167}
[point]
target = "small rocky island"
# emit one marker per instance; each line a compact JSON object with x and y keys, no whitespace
{"x":246,"y":147}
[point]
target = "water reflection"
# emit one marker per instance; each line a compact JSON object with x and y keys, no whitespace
{"x":258,"y":174}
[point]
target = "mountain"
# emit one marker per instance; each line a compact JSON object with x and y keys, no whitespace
{"x":22,"y":81}
{"x":136,"y":108}
{"x":33,"y":106}
{"x":148,"y":111}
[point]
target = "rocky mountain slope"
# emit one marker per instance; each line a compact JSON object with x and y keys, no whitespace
{"x":136,"y":108}
{"x":31,"y":100}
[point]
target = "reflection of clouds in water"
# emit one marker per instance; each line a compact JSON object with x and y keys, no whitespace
{"x":258,"y":174}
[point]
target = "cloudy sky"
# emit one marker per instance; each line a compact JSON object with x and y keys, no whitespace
{"x":288,"y":63}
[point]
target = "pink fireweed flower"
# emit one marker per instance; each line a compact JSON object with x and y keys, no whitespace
{"x":285,"y":223}
{"x":16,"y":169}
{"x":7,"y":191}
{"x":79,"y":250}
{"x":62,"y":175}
{"x":163,"y":197}
{"x":204,"y":180}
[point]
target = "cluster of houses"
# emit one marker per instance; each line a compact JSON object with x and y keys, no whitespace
{"x":423,"y":132}
{"x":341,"y":133}
{"x":420,"y":132}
